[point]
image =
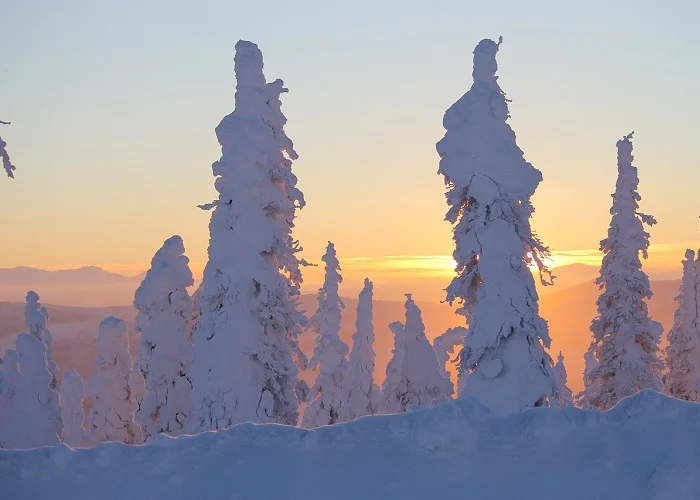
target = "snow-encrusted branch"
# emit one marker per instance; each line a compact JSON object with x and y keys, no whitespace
{"x":6,"y":162}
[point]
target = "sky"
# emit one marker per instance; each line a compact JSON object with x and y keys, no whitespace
{"x":114,"y":106}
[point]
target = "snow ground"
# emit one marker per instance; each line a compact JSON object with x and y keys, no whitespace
{"x":647,"y":447}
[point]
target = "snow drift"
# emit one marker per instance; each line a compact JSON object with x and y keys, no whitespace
{"x":646,"y":447}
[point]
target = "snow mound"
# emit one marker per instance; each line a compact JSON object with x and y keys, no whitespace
{"x":646,"y":447}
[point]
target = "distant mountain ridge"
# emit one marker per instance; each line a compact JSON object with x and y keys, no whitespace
{"x":23,"y":275}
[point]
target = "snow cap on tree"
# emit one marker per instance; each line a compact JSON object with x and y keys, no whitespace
{"x":503,"y":363}
{"x":625,"y":339}
{"x":246,"y":340}
{"x":365,"y":396}
{"x":115,"y":389}
{"x":682,"y":379}
{"x":329,"y":403}
{"x":165,"y":353}
{"x":414,"y":377}
{"x":72,"y":413}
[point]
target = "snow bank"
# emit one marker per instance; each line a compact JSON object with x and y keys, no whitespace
{"x":647,"y":447}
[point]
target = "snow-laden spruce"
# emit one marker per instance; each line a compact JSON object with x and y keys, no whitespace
{"x":329,"y":394}
{"x":413,"y":375}
{"x":36,"y":318}
{"x":489,"y":189}
{"x":72,"y":412}
{"x":31,"y":415}
{"x":6,"y":163}
{"x":365,"y":396}
{"x":625,"y":341}
{"x":563,"y":397}
{"x":247,"y":339}
{"x":116,"y":388}
{"x":165,"y":352}
{"x":682,"y":378}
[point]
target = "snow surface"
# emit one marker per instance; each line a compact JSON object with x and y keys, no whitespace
{"x":646,"y":448}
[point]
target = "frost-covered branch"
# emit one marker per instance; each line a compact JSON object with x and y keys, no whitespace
{"x":6,"y":162}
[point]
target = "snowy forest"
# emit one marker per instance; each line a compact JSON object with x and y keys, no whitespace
{"x":226,"y":354}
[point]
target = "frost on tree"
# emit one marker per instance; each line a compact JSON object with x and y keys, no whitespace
{"x":72,"y":413}
{"x":195,"y":316}
{"x":6,"y":163}
{"x":682,"y":379}
{"x":31,"y":415}
{"x":489,"y":189}
{"x":364,"y":395}
{"x":413,"y":375}
{"x":165,"y":352}
{"x":563,"y":396}
{"x":329,"y":394}
{"x":625,"y":339}
{"x":115,"y":389}
{"x":246,"y":343}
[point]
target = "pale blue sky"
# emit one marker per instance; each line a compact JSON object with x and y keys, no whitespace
{"x":114,"y":106}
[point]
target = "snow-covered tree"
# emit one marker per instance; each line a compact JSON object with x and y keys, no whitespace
{"x":6,"y":163}
{"x":37,"y":318}
{"x":195,"y":316}
{"x":72,"y":413}
{"x":246,"y":342}
{"x":625,"y":339}
{"x":364,"y":395}
{"x":489,"y":189}
{"x":682,"y":379}
{"x":329,"y":394}
{"x":446,"y":344}
{"x":31,"y":415}
{"x":413,"y":375}
{"x":563,"y":397}
{"x":165,"y":352}
{"x":115,"y":389}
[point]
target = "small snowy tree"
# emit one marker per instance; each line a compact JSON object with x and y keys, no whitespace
{"x":625,"y":339}
{"x":6,"y":163}
{"x":245,"y":345}
{"x":165,"y":353}
{"x":115,"y":388}
{"x":329,"y":394}
{"x":37,"y":318}
{"x":413,"y":375}
{"x":564,"y":396}
{"x":364,"y":395}
{"x":503,"y":363}
{"x":72,"y":413}
{"x":446,"y":344}
{"x":31,"y":415}
{"x":682,"y":379}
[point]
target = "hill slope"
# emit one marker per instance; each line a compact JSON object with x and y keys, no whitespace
{"x":647,"y":447}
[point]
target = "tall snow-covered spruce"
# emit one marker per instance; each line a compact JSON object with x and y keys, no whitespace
{"x":365,"y":396}
{"x":246,"y":342}
{"x":329,"y":394}
{"x":682,"y":379}
{"x":503,"y":362}
{"x":413,"y":377}
{"x":165,"y":352}
{"x":115,"y":389}
{"x":625,"y":339}
{"x":31,"y":415}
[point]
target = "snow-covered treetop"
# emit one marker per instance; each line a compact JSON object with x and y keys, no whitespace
{"x":113,"y":344}
{"x":362,"y":355}
{"x":169,"y":272}
{"x":35,"y":315}
{"x":485,"y":65}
